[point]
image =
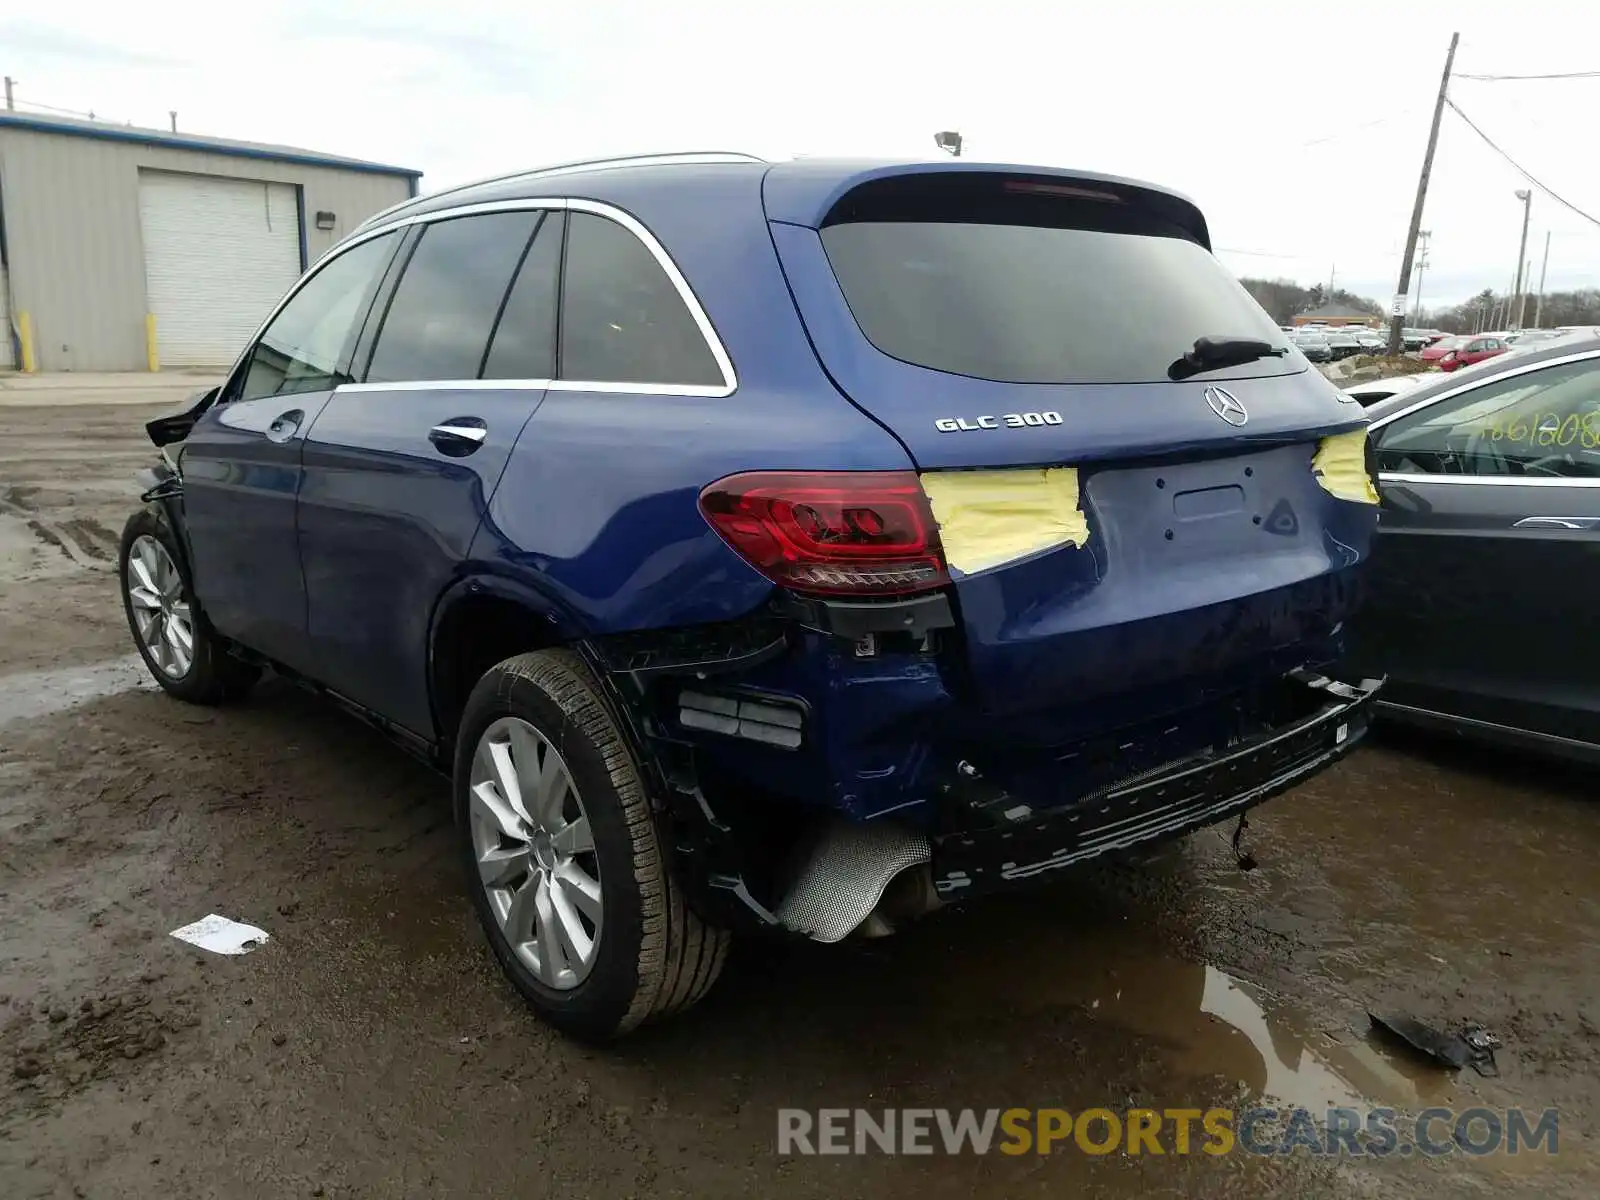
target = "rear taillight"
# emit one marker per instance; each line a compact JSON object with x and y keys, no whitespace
{"x":831,"y":532}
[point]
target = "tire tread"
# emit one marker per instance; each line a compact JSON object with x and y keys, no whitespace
{"x":680,"y":956}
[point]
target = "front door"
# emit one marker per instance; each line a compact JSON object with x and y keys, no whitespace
{"x":1488,"y":562}
{"x":399,"y":468}
{"x":241,"y":461}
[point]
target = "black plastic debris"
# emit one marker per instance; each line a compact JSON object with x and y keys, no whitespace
{"x":1246,"y":860}
{"x":1474,"y":1046}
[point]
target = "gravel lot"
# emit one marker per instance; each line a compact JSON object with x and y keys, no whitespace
{"x":369,"y":1049}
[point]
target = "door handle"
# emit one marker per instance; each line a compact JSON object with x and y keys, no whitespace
{"x":458,"y":436}
{"x":284,"y":426}
{"x":1558,"y":523}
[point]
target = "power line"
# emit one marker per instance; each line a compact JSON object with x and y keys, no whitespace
{"x":1558,"y":75}
{"x":1333,"y":137}
{"x":1520,"y":168}
{"x":51,"y":108}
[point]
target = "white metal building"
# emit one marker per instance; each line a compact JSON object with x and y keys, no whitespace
{"x":121,"y":247}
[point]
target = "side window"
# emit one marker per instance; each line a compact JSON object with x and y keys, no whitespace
{"x":524,"y":345}
{"x":622,"y":320}
{"x":1540,"y":425}
{"x":305,"y":347}
{"x":438,"y":322}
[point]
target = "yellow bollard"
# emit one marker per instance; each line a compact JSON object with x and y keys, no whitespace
{"x":30,"y":364}
{"x":151,"y":353}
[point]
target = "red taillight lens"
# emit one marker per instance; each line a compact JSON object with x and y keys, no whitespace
{"x":831,"y":532}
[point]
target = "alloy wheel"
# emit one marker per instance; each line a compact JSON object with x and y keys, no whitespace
{"x":161,"y":615}
{"x":535,"y":852}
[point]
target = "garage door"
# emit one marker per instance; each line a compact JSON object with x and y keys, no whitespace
{"x":7,"y":354}
{"x":218,"y":254}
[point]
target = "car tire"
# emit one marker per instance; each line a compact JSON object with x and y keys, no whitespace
{"x":179,"y":647}
{"x":649,"y":954}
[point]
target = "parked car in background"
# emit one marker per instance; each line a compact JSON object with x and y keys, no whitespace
{"x":1372,"y":342}
{"x":1481,"y":602}
{"x":1471,"y":350}
{"x":1437,"y":349}
{"x":1342,"y":344}
{"x":1370,"y":391}
{"x":1415,"y":339}
{"x":1313,"y":345}
{"x":1524,"y":339}
{"x":785,"y":547}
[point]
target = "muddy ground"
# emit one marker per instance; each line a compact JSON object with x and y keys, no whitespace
{"x":369,"y":1048}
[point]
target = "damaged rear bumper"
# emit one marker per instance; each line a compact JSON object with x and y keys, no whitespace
{"x":1027,"y":843}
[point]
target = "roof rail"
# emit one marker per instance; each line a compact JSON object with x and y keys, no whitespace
{"x":567,"y":168}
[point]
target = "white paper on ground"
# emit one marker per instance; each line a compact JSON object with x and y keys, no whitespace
{"x":221,"y":936}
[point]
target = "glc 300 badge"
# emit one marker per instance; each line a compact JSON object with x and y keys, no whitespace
{"x":1003,"y":421}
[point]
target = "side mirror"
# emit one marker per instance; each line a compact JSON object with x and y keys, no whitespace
{"x":174,"y":427}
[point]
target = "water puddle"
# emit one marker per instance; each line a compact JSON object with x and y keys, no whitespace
{"x":35,"y":694}
{"x":1505,"y":884}
{"x":1205,"y":1021}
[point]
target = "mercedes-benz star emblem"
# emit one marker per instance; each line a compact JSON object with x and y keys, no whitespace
{"x":1226,"y":405}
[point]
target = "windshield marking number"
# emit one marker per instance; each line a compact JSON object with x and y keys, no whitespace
{"x":1005,"y":420}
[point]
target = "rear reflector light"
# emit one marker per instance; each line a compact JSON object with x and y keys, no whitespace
{"x":754,"y":720}
{"x":831,"y":533}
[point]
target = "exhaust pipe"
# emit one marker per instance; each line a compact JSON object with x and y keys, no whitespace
{"x":844,"y":886}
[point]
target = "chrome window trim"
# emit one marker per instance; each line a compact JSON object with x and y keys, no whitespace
{"x":1468,"y":386}
{"x":1486,"y":480}
{"x":532,"y":385}
{"x":1579,"y":481}
{"x":450,"y":385}
{"x":598,"y":208}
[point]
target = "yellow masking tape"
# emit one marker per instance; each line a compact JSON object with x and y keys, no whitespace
{"x":1340,"y":466}
{"x":991,"y":517}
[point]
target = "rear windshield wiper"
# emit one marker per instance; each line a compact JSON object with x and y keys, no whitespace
{"x":1210,"y":353}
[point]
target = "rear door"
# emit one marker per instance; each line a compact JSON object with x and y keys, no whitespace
{"x":242,"y":460}
{"x":1114,"y":518}
{"x":399,"y":468}
{"x":1488,"y":565}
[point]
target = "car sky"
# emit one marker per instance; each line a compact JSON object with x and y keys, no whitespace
{"x":1299,"y":130}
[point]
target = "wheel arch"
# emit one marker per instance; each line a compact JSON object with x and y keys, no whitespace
{"x":477,"y":622}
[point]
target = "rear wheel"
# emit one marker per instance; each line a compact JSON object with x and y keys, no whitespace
{"x":565,"y":864}
{"x":178,"y":646}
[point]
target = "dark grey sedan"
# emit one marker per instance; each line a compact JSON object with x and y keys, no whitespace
{"x":1486,"y":575}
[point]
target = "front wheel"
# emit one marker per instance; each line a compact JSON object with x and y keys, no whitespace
{"x":566,"y":867}
{"x":179,"y":648}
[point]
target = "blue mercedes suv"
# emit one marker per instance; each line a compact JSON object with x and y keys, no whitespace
{"x":793,"y":546}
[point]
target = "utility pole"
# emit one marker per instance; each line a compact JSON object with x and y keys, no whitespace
{"x":1526,"y":196}
{"x":1397,"y":321}
{"x":174,"y":115}
{"x":1422,"y":265}
{"x":1538,"y":308}
{"x":11,"y":98}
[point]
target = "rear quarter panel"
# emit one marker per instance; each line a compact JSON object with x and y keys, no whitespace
{"x":598,"y":508}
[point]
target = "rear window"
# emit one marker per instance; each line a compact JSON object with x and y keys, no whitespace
{"x":1037,"y":303}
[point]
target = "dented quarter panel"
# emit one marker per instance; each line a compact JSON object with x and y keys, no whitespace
{"x":869,"y":730}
